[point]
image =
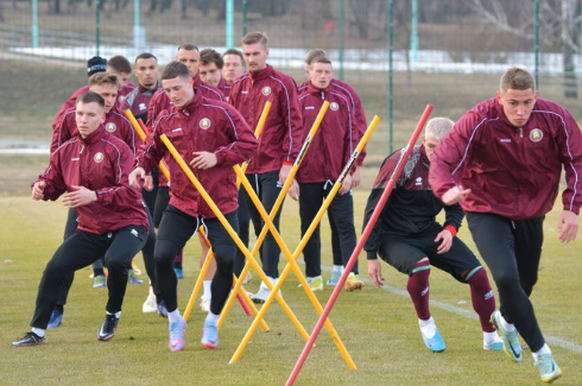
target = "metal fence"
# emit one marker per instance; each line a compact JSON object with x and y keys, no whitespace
{"x":399,"y":54}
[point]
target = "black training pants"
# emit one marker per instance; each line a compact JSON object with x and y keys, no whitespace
{"x":267,"y":187}
{"x":341,"y":219}
{"x":512,"y":251}
{"x":175,"y":230}
{"x":80,"y":250}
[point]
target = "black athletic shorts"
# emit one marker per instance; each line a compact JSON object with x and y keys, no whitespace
{"x":402,"y":252}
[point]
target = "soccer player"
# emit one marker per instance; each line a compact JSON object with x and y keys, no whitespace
{"x":146,"y":71}
{"x":329,"y":152}
{"x":107,"y":85}
{"x":408,"y":237}
{"x":360,"y":124}
{"x":189,"y":55}
{"x":502,"y":161}
{"x":280,"y":140}
{"x":210,"y":70}
{"x":212,"y":137}
{"x":117,"y":65}
{"x":234,"y":67}
{"x":90,"y":172}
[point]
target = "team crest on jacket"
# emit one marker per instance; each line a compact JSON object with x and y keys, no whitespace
{"x":98,"y":157}
{"x":205,"y":123}
{"x":334,"y":106}
{"x":266,"y":91}
{"x":111,"y":127}
{"x":536,"y":135}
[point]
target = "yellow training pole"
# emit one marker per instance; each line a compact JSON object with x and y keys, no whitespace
{"x":198,"y":285}
{"x":258,"y":132}
{"x":232,"y":233}
{"x":293,"y":265}
{"x":142,"y":136}
{"x":275,"y":209}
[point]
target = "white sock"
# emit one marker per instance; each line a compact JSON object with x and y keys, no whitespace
{"x":545,"y":350}
{"x":207,"y":294}
{"x":427,"y":327}
{"x":174,"y":316}
{"x":490,"y":337}
{"x":117,"y":314}
{"x":213,"y":318}
{"x":38,"y":331}
{"x":507,"y":326}
{"x":338,"y":269}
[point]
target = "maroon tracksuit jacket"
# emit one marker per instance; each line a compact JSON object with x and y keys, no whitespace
{"x":129,"y":87}
{"x":333,"y":143}
{"x":280,"y":140}
{"x":115,"y":123}
{"x":513,"y":172}
{"x":100,"y":162}
{"x":360,"y":117}
{"x":202,"y":125}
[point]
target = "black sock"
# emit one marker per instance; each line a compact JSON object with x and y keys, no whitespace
{"x":98,"y":272}
{"x":60,"y":308}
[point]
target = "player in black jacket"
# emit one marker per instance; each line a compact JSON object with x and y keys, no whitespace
{"x":408,"y":237}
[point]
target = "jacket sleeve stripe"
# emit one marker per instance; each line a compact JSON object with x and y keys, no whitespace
{"x":565,"y":128}
{"x":470,"y":143}
{"x":119,"y":172}
{"x":349,"y":120}
{"x":227,"y":115}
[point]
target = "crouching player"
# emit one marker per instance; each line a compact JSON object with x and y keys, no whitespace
{"x":408,"y":237}
{"x":211,"y":136}
{"x":90,"y":171}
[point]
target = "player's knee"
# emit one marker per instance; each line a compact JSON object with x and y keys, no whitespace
{"x":164,"y":253}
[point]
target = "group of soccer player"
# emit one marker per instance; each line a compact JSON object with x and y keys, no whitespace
{"x":500,"y":164}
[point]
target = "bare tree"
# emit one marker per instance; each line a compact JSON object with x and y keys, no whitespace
{"x":558,"y":23}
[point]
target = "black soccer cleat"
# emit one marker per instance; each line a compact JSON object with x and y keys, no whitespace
{"x":108,"y":328}
{"x":29,"y":339}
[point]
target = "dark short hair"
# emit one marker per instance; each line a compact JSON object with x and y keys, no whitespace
{"x":209,"y":55}
{"x":255,"y":37}
{"x":120,"y":64}
{"x":146,"y":55}
{"x":103,"y":78}
{"x":175,"y":69}
{"x":320,"y":59}
{"x":188,"y":47}
{"x":516,"y":78}
{"x":234,"y":51}
{"x":91,"y":97}
{"x":312,"y":54}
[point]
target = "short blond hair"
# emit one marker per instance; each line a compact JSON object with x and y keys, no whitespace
{"x":439,"y":127}
{"x":104,"y":78}
{"x":254,"y":38}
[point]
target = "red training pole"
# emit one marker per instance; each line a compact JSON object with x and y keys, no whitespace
{"x":338,"y":288}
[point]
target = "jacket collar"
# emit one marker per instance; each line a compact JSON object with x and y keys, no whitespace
{"x":263,"y":74}
{"x":94,"y":137}
{"x":191,"y":107}
{"x":317,"y":91}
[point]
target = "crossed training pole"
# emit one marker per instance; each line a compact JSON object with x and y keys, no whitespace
{"x":248,"y":305}
{"x":274,"y":210}
{"x":365,"y":234}
{"x":292,"y":258}
{"x":231,"y":232}
{"x":140,"y":129}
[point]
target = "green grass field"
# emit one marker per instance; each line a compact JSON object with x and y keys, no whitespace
{"x":378,"y":327}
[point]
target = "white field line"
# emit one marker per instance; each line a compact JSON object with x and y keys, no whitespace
{"x":552,"y":340}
